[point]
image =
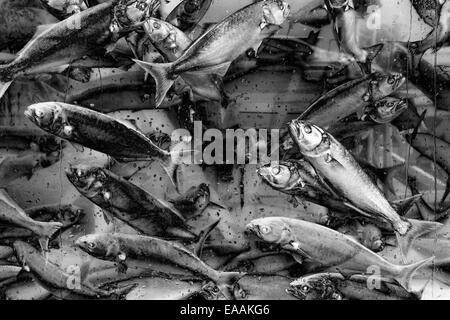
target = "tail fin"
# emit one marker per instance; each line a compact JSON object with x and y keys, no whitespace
{"x":162,"y":75}
{"x":4,"y":86}
{"x":372,"y":53}
{"x":404,"y":205}
{"x":204,"y":234}
{"x":418,"y":228}
{"x":46,"y":231}
{"x":407,"y":272}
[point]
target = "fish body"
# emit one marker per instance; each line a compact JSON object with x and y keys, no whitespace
{"x":7,"y":272}
{"x":329,"y":248}
{"x":262,"y":288}
{"x":171,"y":43}
{"x":424,"y":143}
{"x":213,"y":52}
{"x":63,"y":9}
{"x":94,"y":130}
{"x":335,"y":286}
{"x":188,"y":14}
{"x":194,"y":201}
{"x":51,"y":277}
{"x":368,"y":235}
{"x":314,"y":14}
{"x":21,"y":139}
{"x":344,"y":19}
{"x":11,"y":213}
{"x":335,"y":164}
{"x":114,"y":245}
{"x":352,"y":97}
{"x":5,"y":252}
{"x":129,"y":203}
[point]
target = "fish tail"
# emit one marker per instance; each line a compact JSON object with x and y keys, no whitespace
{"x":406,"y":273}
{"x":204,"y":234}
{"x":162,"y":74}
{"x":45,"y":231}
{"x":4,"y":86}
{"x":170,"y":167}
{"x":372,"y":53}
{"x":418,"y":229}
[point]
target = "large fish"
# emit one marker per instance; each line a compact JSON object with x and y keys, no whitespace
{"x":115,"y":245}
{"x":188,"y":14}
{"x":352,"y":97}
{"x":213,"y":52}
{"x":171,"y":43}
{"x":336,"y":286}
{"x":59,"y":282}
{"x":437,"y":14}
{"x":61,"y":43}
{"x":344,"y":18}
{"x":329,"y":248}
{"x":129,"y":203}
{"x":11,"y":213}
{"x":335,"y":164}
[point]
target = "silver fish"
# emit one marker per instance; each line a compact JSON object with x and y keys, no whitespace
{"x":213,"y":52}
{"x":329,"y":248}
{"x":333,"y":162}
{"x":188,"y":14}
{"x":387,"y":110}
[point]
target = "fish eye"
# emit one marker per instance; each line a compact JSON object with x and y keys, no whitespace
{"x":91,"y":245}
{"x":79,"y":173}
{"x":305,"y":289}
{"x":308,"y":129}
{"x":391,"y":80}
{"x":265,"y":230}
{"x":156,"y":25}
{"x":276,"y":170}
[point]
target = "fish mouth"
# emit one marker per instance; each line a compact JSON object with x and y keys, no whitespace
{"x":295,"y":129}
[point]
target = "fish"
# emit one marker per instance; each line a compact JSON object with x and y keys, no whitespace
{"x":336,"y":286}
{"x":57,"y":281}
{"x":26,"y":290}
{"x":171,"y":43}
{"x":95,"y":130}
{"x":188,"y":14}
{"x":255,"y":287}
{"x":129,"y":203}
{"x":214,"y":52}
{"x":7,"y":272}
{"x":12,"y":213}
{"x":63,"y":9}
{"x":5,"y":252}
{"x":351,"y":97}
{"x":15,"y":166}
{"x":336,"y":165}
{"x":121,"y":246}
{"x":344,"y":20}
{"x":439,"y":19}
{"x":314,"y":14}
{"x":194,"y":201}
{"x":329,"y":248}
{"x":425,"y":143}
{"x":21,"y":139}
{"x":62,"y":43}
{"x":387,"y":110}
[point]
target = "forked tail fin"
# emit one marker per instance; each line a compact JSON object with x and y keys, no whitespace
{"x":407,"y":272}
{"x":418,"y":228}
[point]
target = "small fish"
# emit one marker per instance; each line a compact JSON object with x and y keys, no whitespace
{"x":329,"y":248}
{"x":335,"y":286}
{"x":439,"y":20}
{"x":171,"y":43}
{"x":129,"y":203}
{"x":335,"y":164}
{"x":64,"y":42}
{"x":188,"y":14}
{"x":94,"y":130}
{"x":344,"y":18}
{"x":262,"y":288}
{"x":10,"y":212}
{"x":213,"y":52}
{"x":352,"y":97}
{"x":121,"y":246}
{"x":387,"y":110}
{"x":194,"y":201}
{"x":57,"y":281}
{"x":63,"y":9}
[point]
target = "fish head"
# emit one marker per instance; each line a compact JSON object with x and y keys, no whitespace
{"x":277,"y":175}
{"x":388,"y":109}
{"x":386,"y":84}
{"x":270,"y":230}
{"x":97,"y":245}
{"x":46,"y":115}
{"x":88,"y":180}
{"x":311,"y":139}
{"x":131,"y":13}
{"x":314,"y":287}
{"x":275,"y":12}
{"x":69,"y":215}
{"x":161,"y":32}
